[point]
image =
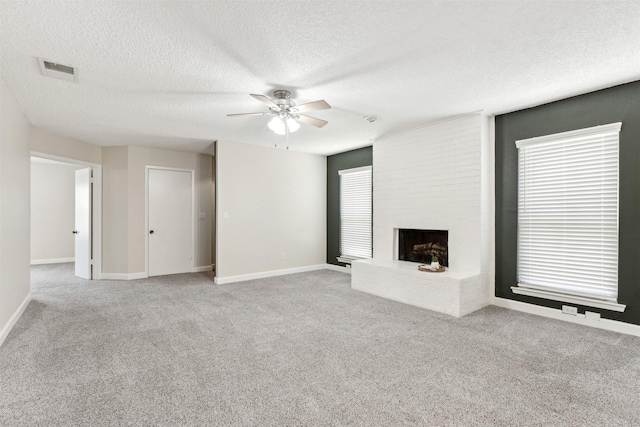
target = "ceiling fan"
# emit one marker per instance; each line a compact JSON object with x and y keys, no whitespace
{"x":286,"y":113}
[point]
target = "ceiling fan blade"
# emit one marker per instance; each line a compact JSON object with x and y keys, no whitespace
{"x":311,"y":121}
{"x":313,"y":106}
{"x":266,"y":101}
{"x":248,"y":114}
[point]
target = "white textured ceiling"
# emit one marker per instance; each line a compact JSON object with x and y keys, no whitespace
{"x":167,"y":73}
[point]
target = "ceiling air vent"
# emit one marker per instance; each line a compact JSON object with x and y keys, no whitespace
{"x":58,"y":71}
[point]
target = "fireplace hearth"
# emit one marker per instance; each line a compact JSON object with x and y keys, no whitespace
{"x":420,"y":245}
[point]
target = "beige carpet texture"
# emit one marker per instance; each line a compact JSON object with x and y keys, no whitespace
{"x":298,"y":350}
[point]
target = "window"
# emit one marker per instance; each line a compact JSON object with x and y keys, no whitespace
{"x":568,"y":217}
{"x":355,"y":213}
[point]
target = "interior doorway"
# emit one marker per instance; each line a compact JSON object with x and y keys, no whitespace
{"x":170,"y":221}
{"x":66,"y":213}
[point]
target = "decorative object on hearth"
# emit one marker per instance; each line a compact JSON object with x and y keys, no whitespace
{"x":434,"y":262}
{"x":427,"y":268}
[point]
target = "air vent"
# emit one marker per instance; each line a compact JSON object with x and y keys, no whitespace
{"x":58,"y":71}
{"x":58,"y":67}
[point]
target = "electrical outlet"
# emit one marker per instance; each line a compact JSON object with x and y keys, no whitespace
{"x":283,"y":256}
{"x":592,"y":315}
{"x":567,"y":309}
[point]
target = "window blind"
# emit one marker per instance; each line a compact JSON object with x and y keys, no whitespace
{"x":355,"y":212}
{"x":568,"y":213}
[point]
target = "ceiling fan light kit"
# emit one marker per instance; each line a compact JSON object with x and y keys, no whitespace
{"x":286,"y":113}
{"x":278,"y":125}
{"x":292,"y":124}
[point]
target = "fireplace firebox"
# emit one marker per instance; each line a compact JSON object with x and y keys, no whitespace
{"x":420,"y":245}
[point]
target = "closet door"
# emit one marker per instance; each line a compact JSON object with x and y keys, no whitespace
{"x":170,"y":233}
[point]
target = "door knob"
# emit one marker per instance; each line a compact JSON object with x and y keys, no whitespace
{"x":151,"y":231}
{"x":75,"y":231}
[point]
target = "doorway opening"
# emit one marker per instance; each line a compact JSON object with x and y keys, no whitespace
{"x":66,"y":223}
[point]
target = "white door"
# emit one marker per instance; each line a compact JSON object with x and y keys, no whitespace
{"x":82,"y":230}
{"x":170,"y":235}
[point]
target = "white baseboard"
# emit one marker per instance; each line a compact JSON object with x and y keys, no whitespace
{"x":123,"y":276}
{"x":273,"y":273}
{"x":52,"y":261}
{"x":143,"y":275}
{"x":338,"y":268}
{"x":4,"y":332}
{"x":553,"y":313}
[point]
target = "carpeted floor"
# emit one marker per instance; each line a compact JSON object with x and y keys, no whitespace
{"x":298,"y":350}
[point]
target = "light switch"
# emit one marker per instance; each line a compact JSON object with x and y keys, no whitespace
{"x":225,"y":215}
{"x":202,"y":216}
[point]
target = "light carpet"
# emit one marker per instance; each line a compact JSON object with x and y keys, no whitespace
{"x":298,"y":350}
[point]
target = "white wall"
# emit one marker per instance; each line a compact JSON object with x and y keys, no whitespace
{"x":124,"y":197}
{"x":115,"y":222}
{"x":14,"y":211}
{"x":270,"y":201}
{"x":61,"y":146}
{"x":52,"y":211}
{"x":430,"y":178}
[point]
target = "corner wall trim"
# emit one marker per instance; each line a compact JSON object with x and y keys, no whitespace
{"x":4,"y":332}
{"x":123,"y":276}
{"x":607,"y":324}
{"x":272,"y":273}
{"x":52,"y":261}
{"x":203,"y":268}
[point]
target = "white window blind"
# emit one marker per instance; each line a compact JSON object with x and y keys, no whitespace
{"x":355,"y":212}
{"x":568,"y":215}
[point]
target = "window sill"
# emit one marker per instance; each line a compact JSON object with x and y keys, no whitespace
{"x":607,"y":305}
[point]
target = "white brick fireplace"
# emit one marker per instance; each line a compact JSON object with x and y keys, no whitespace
{"x":429,"y":178}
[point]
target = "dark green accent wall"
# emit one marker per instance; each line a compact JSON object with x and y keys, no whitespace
{"x":348,"y":160}
{"x":616,"y":104}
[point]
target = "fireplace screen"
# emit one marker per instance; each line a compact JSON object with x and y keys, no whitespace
{"x":421,"y":245}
